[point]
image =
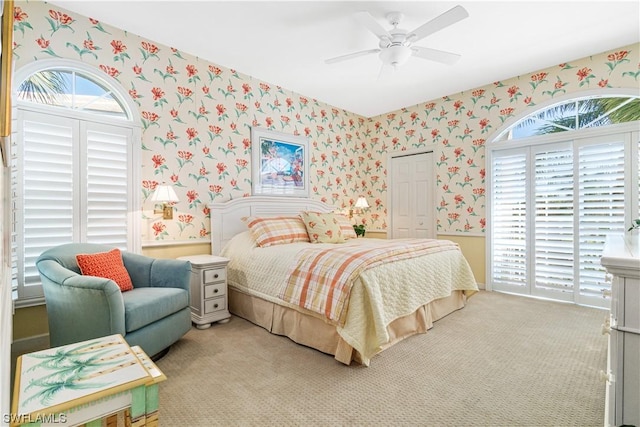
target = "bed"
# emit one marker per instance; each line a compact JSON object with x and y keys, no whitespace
{"x":386,"y":301}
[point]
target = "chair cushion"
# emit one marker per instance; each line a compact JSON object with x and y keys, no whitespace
{"x":143,"y":306}
{"x":106,"y":264}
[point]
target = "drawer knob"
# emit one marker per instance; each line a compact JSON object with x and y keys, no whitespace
{"x":605,"y":377}
{"x":215,"y":305}
{"x":215,"y":276}
{"x":215,"y":291}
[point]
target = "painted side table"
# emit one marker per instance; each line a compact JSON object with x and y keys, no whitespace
{"x":84,"y":383}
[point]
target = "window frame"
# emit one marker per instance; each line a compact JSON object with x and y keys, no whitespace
{"x":26,"y":299}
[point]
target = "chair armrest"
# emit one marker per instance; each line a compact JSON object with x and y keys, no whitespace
{"x":56,"y":274}
{"x":80,"y":307}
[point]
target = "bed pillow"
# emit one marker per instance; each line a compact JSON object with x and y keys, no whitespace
{"x":322,"y":227}
{"x":108,"y":265}
{"x":346,"y":227}
{"x":280,"y":230}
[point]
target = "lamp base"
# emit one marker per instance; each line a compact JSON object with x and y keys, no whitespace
{"x":166,"y":211}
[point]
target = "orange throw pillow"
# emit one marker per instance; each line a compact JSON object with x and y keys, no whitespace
{"x":108,"y":265}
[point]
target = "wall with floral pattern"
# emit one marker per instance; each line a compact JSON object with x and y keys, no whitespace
{"x":196,"y":118}
{"x":460,"y":125}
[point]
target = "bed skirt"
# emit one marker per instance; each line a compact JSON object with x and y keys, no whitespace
{"x":313,"y":331}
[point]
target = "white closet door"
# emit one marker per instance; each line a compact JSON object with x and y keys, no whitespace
{"x":412,"y":196}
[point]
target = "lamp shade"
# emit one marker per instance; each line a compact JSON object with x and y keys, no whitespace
{"x":395,"y":55}
{"x":164,"y":193}
{"x":361,"y":203}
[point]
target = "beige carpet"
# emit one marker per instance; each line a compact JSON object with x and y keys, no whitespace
{"x":502,"y":361}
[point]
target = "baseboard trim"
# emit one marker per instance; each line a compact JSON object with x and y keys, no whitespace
{"x":30,"y":344}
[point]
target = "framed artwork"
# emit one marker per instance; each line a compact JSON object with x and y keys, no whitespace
{"x":280,"y":163}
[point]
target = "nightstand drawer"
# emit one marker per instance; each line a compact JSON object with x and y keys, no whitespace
{"x":215,"y":304}
{"x":215,"y":290}
{"x":214,"y":275}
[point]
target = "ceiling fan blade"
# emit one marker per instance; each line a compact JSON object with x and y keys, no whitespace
{"x":350,"y":56}
{"x":435,"y":55}
{"x":372,"y":25}
{"x":385,"y":72}
{"x":450,"y":17}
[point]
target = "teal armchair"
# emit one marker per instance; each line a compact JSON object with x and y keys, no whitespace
{"x":153,"y":315}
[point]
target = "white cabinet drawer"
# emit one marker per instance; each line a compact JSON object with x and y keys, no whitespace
{"x":215,"y":290}
{"x":630,"y":368}
{"x":629,"y":307}
{"x":214,"y":275}
{"x":215,"y":304}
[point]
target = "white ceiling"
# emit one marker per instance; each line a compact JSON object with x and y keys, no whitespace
{"x":285,"y":43}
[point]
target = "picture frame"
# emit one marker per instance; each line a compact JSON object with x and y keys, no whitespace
{"x":280,"y":163}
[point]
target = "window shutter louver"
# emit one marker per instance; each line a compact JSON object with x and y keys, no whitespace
{"x":553,"y":222}
{"x":107,"y":188}
{"x":47,"y":192}
{"x":14,"y":194}
{"x":509,"y":221}
{"x":601,"y":198}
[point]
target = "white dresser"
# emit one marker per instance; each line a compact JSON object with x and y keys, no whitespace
{"x":621,"y":258}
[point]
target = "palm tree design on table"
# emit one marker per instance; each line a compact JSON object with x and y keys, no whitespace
{"x":73,"y":366}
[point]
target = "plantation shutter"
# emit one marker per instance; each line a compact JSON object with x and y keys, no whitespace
{"x":601,"y":178}
{"x":509,"y":267}
{"x":73,"y":186}
{"x":46,"y":211}
{"x":14,"y":193}
{"x":553,"y":222}
{"x":552,"y":207}
{"x":107,"y":198}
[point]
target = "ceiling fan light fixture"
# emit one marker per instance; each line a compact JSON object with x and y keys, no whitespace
{"x":395,"y":46}
{"x":395,"y":55}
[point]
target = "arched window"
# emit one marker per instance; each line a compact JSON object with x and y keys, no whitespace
{"x":559,"y":181}
{"x":76,"y":148}
{"x":72,"y":90}
{"x":575,"y":114}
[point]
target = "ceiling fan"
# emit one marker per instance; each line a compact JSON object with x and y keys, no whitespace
{"x":396,"y":45}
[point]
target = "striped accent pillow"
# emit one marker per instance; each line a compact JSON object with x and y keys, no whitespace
{"x":270,"y":231}
{"x":346,"y":227}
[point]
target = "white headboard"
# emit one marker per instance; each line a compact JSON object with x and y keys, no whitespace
{"x":226,"y":216}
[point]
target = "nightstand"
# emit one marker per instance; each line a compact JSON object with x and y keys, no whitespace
{"x":208,"y":289}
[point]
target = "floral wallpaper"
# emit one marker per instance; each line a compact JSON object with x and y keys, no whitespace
{"x":196,"y":118}
{"x":459,"y":126}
